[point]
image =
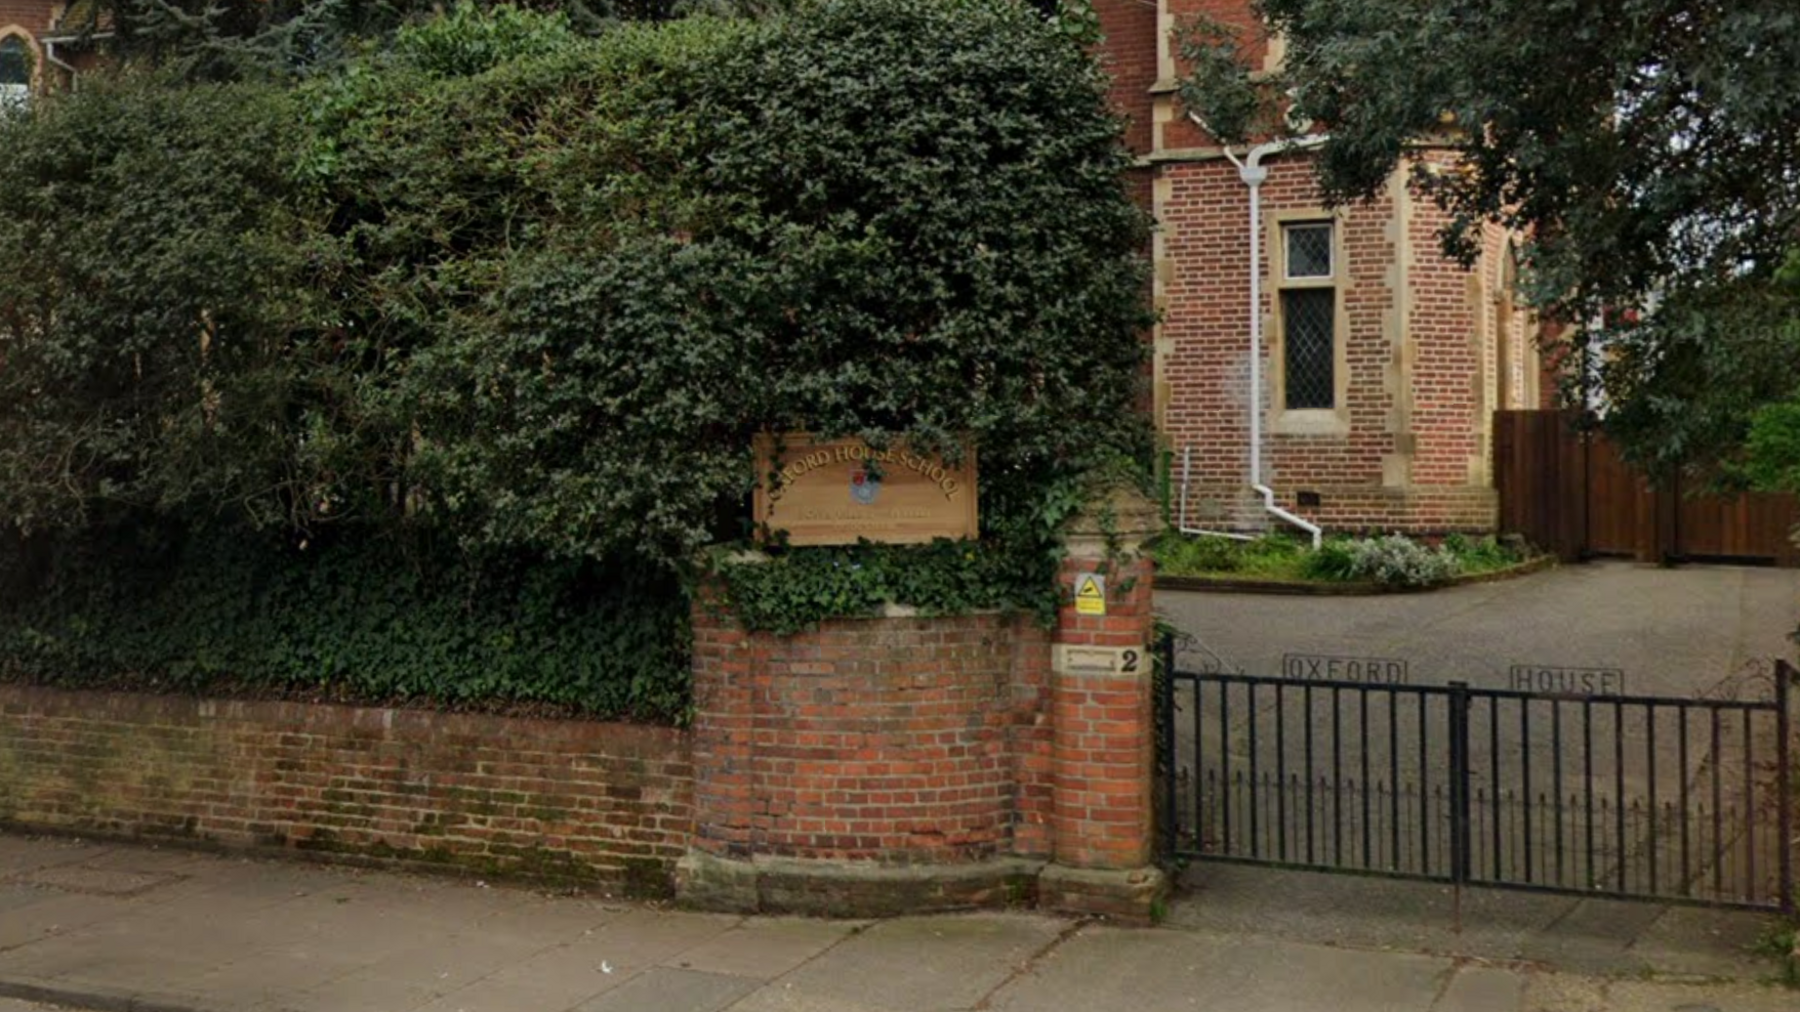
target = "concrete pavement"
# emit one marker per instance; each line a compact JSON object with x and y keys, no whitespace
{"x":107,"y":927}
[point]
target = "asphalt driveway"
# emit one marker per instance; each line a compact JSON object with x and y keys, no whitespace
{"x":1691,"y":631}
{"x":1678,"y":787}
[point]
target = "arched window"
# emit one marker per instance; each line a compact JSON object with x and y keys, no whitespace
{"x":15,"y":72}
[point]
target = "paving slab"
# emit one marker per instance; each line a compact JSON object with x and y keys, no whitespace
{"x":1572,"y":934}
{"x":767,"y":947}
{"x":79,"y":878}
{"x":1361,"y":912}
{"x":1563,"y":992}
{"x":430,"y":969}
{"x":914,"y":964}
{"x":1482,"y":989}
{"x":1707,"y":943}
{"x":509,"y":996}
{"x":262,"y":978}
{"x":148,"y":859}
{"x":367,"y":990}
{"x":1148,"y":971}
{"x":19,"y":853}
{"x":230,"y":938}
{"x":596,"y":960}
{"x":672,"y":990}
{"x":261,"y":883}
{"x":1652,"y":996}
{"x":784,"y":998}
{"x":510,"y":911}
{"x":34,"y":914}
{"x":1593,"y":936}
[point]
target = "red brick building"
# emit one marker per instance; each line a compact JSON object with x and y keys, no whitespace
{"x":41,"y":47}
{"x":1380,"y":362}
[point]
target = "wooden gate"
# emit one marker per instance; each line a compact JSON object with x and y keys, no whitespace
{"x":1570,"y":492}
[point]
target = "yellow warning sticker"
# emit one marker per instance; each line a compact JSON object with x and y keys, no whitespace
{"x":1090,"y":594}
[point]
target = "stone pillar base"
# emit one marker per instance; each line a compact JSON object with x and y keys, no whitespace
{"x":850,"y":889}
{"x":706,"y":882}
{"x":1133,"y":895}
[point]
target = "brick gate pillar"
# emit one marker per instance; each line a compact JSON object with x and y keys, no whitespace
{"x":1103,"y":739}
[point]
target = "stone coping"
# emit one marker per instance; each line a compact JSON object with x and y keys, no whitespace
{"x":1238,"y":585}
{"x":769,"y":885}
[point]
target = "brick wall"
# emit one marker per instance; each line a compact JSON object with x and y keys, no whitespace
{"x":1175,"y":131}
{"x":1103,"y":725}
{"x":1430,"y":351}
{"x":896,"y":741}
{"x":566,"y":801}
{"x":876,"y":764}
{"x":1128,"y":54}
{"x":902,"y":762}
{"x":34,"y":19}
{"x":1418,"y":363}
{"x":28,"y":19}
{"x":34,"y":16}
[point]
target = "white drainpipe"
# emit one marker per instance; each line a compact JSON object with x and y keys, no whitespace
{"x":1252,"y":172}
{"x":55,"y":61}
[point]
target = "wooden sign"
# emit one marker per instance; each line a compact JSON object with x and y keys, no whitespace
{"x":833,"y":492}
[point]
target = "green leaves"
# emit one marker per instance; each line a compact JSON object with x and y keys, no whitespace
{"x":1646,"y":147}
{"x":468,"y":40}
{"x":147,"y":310}
{"x":521,"y":299}
{"x":212,"y":610}
{"x":539,"y":292}
{"x":796,"y":589}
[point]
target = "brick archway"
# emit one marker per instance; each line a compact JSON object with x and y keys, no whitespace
{"x":33,"y":52}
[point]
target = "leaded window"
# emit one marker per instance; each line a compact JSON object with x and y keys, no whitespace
{"x":1309,"y":250}
{"x":15,"y":72}
{"x":1309,"y":316}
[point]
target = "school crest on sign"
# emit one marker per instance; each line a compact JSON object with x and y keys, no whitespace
{"x":863,"y":486}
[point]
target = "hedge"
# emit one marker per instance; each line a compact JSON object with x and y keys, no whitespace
{"x":516,"y":294}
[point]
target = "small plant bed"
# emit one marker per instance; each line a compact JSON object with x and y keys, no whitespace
{"x":1280,"y":563}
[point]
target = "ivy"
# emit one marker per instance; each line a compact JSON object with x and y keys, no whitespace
{"x":789,"y":590}
{"x":154,"y":607}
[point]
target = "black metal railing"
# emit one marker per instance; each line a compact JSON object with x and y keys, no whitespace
{"x":1683,"y":800}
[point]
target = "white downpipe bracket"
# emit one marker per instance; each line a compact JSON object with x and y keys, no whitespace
{"x":1252,"y":172}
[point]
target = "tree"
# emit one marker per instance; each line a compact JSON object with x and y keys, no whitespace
{"x":434,"y":373}
{"x":544,"y":302}
{"x":1648,"y":147}
{"x":231,"y":39}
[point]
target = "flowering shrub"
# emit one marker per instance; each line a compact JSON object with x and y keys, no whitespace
{"x":1398,"y":561}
